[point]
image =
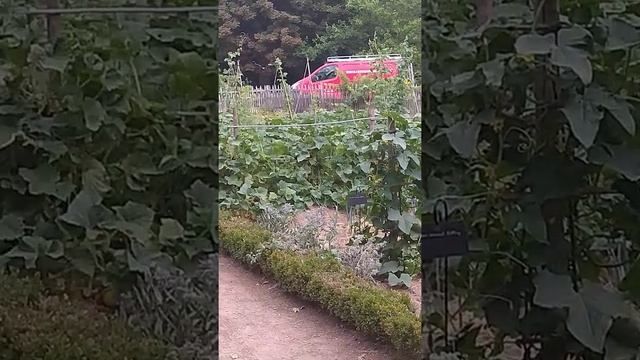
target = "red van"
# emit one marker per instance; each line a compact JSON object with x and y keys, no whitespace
{"x":325,"y":79}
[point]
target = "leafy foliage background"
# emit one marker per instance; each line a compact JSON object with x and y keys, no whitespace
{"x":98,"y":175}
{"x":531,"y":136}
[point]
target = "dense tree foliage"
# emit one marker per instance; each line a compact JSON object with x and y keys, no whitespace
{"x":267,"y":29}
{"x":295,"y":29}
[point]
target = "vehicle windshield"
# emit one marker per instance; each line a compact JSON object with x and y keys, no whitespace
{"x":326,"y":73}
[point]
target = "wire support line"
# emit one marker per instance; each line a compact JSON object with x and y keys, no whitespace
{"x":300,"y":125}
{"x":129,"y":10}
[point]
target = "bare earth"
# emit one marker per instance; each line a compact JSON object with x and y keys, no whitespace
{"x":258,"y":321}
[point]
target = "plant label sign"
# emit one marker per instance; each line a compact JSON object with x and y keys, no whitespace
{"x":443,"y":240}
{"x":356,"y":199}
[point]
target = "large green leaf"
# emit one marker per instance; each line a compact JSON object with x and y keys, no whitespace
{"x":81,"y":259}
{"x":493,"y":71}
{"x":622,"y":159}
{"x":11,"y":227}
{"x":134,"y":220}
{"x":45,"y":180}
{"x":619,"y":108}
{"x":621,"y":34}
{"x":575,"y":59}
{"x":535,"y":44}
{"x":202,"y":195}
{"x":405,"y":220}
{"x":404,"y":279}
{"x":573,"y":36}
{"x":79,"y":210}
{"x":95,"y":177}
{"x":57,"y":63}
{"x":170,"y":229}
{"x":591,"y":309}
{"x":30,"y":248}
{"x":94,"y":114}
{"x":463,"y":137}
{"x":584,"y":119}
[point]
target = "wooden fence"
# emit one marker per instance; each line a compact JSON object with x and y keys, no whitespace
{"x":273,"y":98}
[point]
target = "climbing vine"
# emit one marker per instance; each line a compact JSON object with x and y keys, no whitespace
{"x":107,"y":146}
{"x":531,"y":139}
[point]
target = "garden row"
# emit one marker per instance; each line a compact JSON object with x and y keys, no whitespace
{"x":322,"y":165}
{"x":319,"y":277}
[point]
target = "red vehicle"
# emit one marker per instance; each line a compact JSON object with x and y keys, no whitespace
{"x":326,"y":80}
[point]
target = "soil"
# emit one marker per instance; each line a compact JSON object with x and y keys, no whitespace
{"x":258,"y":321}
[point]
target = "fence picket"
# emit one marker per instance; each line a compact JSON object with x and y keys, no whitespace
{"x":272,"y":98}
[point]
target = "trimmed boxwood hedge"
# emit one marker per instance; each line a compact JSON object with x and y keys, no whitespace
{"x":322,"y":279}
{"x":34,"y":325}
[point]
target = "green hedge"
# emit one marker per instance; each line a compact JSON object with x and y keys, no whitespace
{"x":322,"y":279}
{"x":36,"y":326}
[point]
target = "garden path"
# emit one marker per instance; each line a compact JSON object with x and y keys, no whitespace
{"x":258,"y":321}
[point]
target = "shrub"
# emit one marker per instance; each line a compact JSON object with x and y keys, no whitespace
{"x":319,"y":277}
{"x":36,"y":326}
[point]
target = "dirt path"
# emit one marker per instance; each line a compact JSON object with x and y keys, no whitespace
{"x":260,"y":322}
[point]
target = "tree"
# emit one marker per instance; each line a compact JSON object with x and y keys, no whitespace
{"x":267,"y":29}
{"x":390,"y":21}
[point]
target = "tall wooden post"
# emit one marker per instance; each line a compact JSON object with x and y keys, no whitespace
{"x":53,"y":22}
{"x":371,"y":112}
{"x":234,"y":122}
